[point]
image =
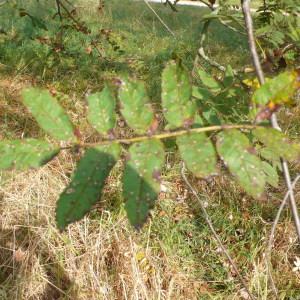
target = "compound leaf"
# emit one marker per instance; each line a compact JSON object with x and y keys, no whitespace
{"x":237,"y":153}
{"x":49,"y":114}
{"x":198,"y":153}
{"x":101,"y":112}
{"x":141,"y":179}
{"x":178,"y":107}
{"x":27,"y":153}
{"x":135,"y":105}
{"x":87,"y":183}
{"x":278,"y":143}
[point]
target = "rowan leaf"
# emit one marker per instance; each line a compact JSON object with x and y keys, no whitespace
{"x":178,"y":107}
{"x":27,"y":153}
{"x":101,"y":112}
{"x":278,"y":90}
{"x":49,"y":114}
{"x":237,"y":154}
{"x":135,"y":105}
{"x":86,"y":185}
{"x":197,"y":151}
{"x":278,"y":143}
{"x":141,"y":179}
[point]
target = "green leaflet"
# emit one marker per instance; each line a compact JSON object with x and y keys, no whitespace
{"x":87,"y":184}
{"x":201,"y":93}
{"x":209,"y":81}
{"x":237,"y":153}
{"x":198,"y":153}
{"x":204,"y":102}
{"x":278,"y":143}
{"x":272,"y":177}
{"x":27,"y":153}
{"x":49,"y":114}
{"x":135,"y":105}
{"x":178,"y":107}
{"x":101,"y":112}
{"x":278,"y":90}
{"x":141,"y":179}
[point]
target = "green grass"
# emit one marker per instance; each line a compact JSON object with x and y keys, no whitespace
{"x":174,"y":256}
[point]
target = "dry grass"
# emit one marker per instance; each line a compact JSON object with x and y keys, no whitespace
{"x":98,"y":258}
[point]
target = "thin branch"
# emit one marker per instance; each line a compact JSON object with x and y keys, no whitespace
{"x":163,"y":135}
{"x":216,"y":236}
{"x":201,"y":52}
{"x":272,"y":234}
{"x":70,"y":14}
{"x":58,"y":9}
{"x":159,"y":18}
{"x":274,"y":122}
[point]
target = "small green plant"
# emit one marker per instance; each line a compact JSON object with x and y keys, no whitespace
{"x":241,"y":147}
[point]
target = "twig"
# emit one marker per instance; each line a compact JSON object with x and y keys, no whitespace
{"x":201,"y":52}
{"x":272,"y":234}
{"x":70,"y":15}
{"x":216,"y":236}
{"x":160,"y":19}
{"x":274,"y":122}
{"x":163,"y":135}
{"x":58,"y":9}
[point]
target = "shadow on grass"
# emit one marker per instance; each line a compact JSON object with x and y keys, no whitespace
{"x":18,"y":268}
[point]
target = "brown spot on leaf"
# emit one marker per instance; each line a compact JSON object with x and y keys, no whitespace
{"x":251,"y":150}
{"x":156,"y":175}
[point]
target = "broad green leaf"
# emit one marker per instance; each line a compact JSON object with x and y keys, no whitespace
{"x":198,"y":153}
{"x":278,"y":90}
{"x":209,"y":81}
{"x":27,"y":153}
{"x":237,"y":154}
{"x":49,"y":114}
{"x":135,"y":105}
{"x":87,"y":184}
{"x":178,"y":107}
{"x":272,"y":177}
{"x":141,"y":179}
{"x":101,"y":113}
{"x":270,"y":156}
{"x":278,"y":143}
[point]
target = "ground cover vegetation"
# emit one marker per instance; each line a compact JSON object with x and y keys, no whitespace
{"x":120,"y":76}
